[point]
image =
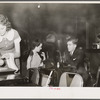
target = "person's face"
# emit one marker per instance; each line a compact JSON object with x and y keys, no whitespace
{"x":71,"y":46}
{"x":38,"y":48}
{"x":2,"y":29}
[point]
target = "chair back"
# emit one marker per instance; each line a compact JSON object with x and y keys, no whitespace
{"x":46,"y":79}
{"x":69,"y":79}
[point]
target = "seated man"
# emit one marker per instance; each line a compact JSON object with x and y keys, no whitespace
{"x":73,"y":59}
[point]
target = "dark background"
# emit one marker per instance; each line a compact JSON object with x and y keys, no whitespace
{"x":76,"y":19}
{"x":34,"y":20}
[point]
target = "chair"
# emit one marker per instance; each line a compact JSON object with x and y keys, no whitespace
{"x":69,"y":79}
{"x":45,"y":77}
{"x":93,"y":82}
{"x":97,"y":83}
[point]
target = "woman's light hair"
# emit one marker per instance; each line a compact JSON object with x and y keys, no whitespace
{"x":4,"y":21}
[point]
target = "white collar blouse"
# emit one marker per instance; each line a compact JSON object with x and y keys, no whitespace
{"x":9,"y":35}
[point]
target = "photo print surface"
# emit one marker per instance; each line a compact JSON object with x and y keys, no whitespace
{"x":49,"y":44}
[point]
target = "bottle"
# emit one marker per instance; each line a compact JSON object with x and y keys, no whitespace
{"x":58,"y":64}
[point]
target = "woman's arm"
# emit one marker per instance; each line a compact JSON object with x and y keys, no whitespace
{"x":28,"y":62}
{"x":17,"y":47}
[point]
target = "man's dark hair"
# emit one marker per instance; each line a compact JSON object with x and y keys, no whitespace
{"x":73,"y":39}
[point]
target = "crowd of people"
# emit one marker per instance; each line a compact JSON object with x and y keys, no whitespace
{"x":72,"y":57}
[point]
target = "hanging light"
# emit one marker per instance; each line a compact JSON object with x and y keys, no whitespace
{"x":39,"y":6}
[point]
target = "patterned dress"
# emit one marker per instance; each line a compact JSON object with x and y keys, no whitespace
{"x":7,"y":44}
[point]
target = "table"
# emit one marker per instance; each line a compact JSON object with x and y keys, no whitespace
{"x":9,"y":78}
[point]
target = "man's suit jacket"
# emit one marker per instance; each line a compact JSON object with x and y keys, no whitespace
{"x":73,"y":62}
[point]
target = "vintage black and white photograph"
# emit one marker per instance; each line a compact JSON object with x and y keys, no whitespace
{"x":50,"y":45}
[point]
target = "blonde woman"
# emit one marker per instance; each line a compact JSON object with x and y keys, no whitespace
{"x":9,"y":45}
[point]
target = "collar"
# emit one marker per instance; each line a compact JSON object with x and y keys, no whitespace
{"x":9,"y":35}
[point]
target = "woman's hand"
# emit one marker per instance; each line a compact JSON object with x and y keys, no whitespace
{"x":1,"y":62}
{"x":6,"y":56}
{"x":43,"y":55}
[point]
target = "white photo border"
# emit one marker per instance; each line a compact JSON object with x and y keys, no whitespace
{"x":49,"y":92}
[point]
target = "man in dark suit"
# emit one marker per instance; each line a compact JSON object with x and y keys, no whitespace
{"x":73,"y":60}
